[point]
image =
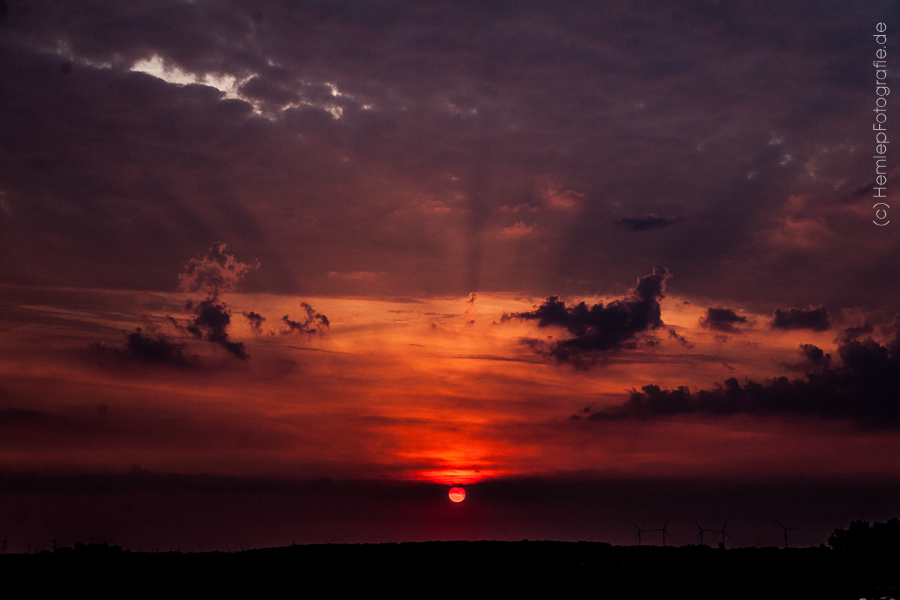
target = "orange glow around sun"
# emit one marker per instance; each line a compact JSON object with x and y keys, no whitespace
{"x":464,"y":476}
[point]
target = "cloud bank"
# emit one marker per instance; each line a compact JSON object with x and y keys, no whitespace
{"x":864,"y":387}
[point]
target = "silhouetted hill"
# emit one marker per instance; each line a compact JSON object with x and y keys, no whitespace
{"x":473,"y":567}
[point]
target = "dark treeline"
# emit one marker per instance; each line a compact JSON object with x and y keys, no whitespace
{"x":858,"y":562}
{"x":862,"y":538}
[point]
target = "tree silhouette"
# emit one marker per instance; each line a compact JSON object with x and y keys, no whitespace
{"x":862,"y":538}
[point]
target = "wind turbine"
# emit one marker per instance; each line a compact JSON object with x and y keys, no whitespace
{"x":700,"y":537}
{"x":724,"y":533}
{"x":639,"y":531}
{"x":786,"y":529}
{"x":664,"y":532}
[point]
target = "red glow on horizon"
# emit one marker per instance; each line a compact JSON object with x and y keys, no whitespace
{"x":457,"y":476}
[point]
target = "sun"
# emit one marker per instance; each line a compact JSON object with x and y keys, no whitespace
{"x":457,"y":494}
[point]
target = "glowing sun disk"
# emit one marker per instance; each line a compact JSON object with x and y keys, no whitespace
{"x":457,"y":494}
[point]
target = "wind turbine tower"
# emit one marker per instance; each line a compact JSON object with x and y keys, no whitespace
{"x":786,"y":529}
{"x":664,"y":532}
{"x":639,"y":532}
{"x":700,"y":537}
{"x":724,"y":533}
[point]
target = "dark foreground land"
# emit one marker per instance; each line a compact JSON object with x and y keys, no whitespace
{"x":479,"y":568}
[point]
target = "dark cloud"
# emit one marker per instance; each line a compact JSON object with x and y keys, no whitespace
{"x":157,"y":348}
{"x":814,"y":354}
{"x":313,"y":323}
{"x":723,"y":319}
{"x":470,"y":302}
{"x":597,"y":329}
{"x":217,"y":272}
{"x":646,"y":222}
{"x":815,"y":318}
{"x":864,"y":388}
{"x":256,"y":321}
{"x":852,"y":333}
{"x":268,"y":91}
{"x":211,"y":323}
{"x":214,"y":273}
{"x":680,"y":339}
{"x":11,"y":415}
{"x":150,"y":347}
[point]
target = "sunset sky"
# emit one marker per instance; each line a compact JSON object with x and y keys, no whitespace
{"x":601,"y":263}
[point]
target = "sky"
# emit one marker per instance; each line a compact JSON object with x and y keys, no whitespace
{"x":299,"y":267}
